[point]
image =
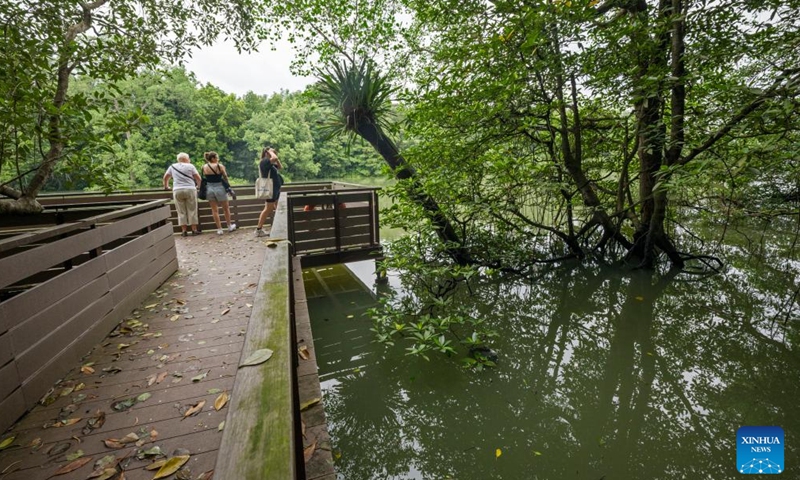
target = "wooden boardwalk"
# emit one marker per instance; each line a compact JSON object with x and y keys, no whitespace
{"x":131,"y":396}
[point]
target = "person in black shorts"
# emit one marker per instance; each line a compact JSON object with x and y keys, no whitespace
{"x":269,"y":166}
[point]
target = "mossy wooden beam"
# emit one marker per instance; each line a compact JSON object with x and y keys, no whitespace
{"x":258,"y":437}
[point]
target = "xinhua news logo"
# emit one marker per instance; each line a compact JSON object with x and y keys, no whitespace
{"x":759,"y":450}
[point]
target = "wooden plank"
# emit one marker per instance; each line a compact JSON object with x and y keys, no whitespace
{"x":300,"y":225}
{"x":138,"y":259}
{"x":57,"y":362}
{"x":40,"y":337}
{"x":300,"y":201}
{"x":141,"y":276}
{"x":25,"y":264}
{"x":57,"y":231}
{"x":11,"y":408}
{"x":6,"y":354}
{"x":315,"y":234}
{"x":348,"y":197}
{"x":29,"y":303}
{"x":37,"y":236}
{"x":315,"y":245}
{"x":9,"y":379}
{"x":260,"y":415}
{"x":359,"y":230}
{"x":356,"y":240}
{"x":303,"y":216}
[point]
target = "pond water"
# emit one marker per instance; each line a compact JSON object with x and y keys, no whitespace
{"x":602,"y":374}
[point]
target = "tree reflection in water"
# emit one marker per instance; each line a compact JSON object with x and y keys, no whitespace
{"x":602,"y":374}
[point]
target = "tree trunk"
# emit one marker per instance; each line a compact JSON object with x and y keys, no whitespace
{"x":650,"y":235}
{"x":403,"y":171}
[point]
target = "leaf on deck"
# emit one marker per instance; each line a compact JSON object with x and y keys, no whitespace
{"x":258,"y":357}
{"x":72,"y":466}
{"x":171,"y":466}
{"x":221,"y":400}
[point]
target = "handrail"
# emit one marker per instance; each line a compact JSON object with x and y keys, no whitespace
{"x":59,"y":230}
{"x":52,"y":195}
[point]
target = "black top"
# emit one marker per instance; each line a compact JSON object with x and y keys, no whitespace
{"x":213,"y":178}
{"x":267,"y":168}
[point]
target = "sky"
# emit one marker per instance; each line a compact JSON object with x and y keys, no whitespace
{"x":263,"y":72}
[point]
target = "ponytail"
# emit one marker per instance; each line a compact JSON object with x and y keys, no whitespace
{"x":209,"y":155}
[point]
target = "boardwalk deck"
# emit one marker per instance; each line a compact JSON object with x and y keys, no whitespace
{"x":181,"y":347}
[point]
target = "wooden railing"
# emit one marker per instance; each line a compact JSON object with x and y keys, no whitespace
{"x":74,"y":206}
{"x":62,"y":289}
{"x":335,"y":226}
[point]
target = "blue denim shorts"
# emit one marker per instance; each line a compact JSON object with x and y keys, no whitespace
{"x":216,"y":192}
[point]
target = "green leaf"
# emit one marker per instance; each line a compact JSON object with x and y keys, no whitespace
{"x":143,"y":397}
{"x":74,"y":455}
{"x":256,"y":358}
{"x":7,"y":442}
{"x":171,"y":466}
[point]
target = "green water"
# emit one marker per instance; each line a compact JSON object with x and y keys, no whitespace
{"x":601,"y":375}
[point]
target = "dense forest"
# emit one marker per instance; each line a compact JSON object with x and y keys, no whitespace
{"x":168,"y":111}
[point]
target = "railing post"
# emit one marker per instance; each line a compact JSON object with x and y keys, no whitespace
{"x":337,"y":228}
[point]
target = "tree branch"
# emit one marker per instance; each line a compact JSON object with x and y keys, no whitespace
{"x":791,"y":77}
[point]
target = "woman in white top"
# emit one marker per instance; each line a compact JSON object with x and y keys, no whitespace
{"x":185,"y":181}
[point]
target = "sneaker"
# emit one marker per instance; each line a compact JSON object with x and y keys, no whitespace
{"x":196,"y":232}
{"x":232,"y":227}
{"x":220,"y":232}
{"x":261,"y":233}
{"x":183,"y":234}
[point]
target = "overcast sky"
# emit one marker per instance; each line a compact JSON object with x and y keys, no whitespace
{"x":264,"y":72}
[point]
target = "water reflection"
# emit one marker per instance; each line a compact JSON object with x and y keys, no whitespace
{"x":602,"y":375}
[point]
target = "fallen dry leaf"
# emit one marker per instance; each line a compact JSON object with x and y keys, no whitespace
{"x":72,"y":466}
{"x":171,"y":466}
{"x":206,"y":475}
{"x":221,"y":400}
{"x":195,"y":409}
{"x":225,"y":312}
{"x":87,"y":370}
{"x":303,"y":352}
{"x":308,"y":452}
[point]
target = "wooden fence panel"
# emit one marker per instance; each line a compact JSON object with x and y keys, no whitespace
{"x":46,"y":329}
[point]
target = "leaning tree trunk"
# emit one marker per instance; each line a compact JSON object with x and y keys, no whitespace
{"x":373,"y":134}
{"x":24,"y":202}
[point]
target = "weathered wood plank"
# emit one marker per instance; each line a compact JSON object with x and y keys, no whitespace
{"x":316,"y":234}
{"x":6,"y":354}
{"x":38,"y":338}
{"x":9,"y":379}
{"x":322,"y":244}
{"x":258,"y":440}
{"x":25,"y":264}
{"x":54,"y":361}
{"x":12,"y":407}
{"x":29,"y":303}
{"x":300,"y":224}
{"x":356,"y":230}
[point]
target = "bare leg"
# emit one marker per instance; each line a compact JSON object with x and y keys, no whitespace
{"x":215,"y":213}
{"x":263,"y":216}
{"x":226,"y":209}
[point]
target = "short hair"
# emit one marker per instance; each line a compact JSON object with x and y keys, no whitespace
{"x":183,"y":155}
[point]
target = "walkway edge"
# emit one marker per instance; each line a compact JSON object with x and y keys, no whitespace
{"x":258,"y":439}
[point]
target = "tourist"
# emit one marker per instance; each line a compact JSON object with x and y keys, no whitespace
{"x":185,"y":181}
{"x":269,"y":166}
{"x":217,"y":190}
